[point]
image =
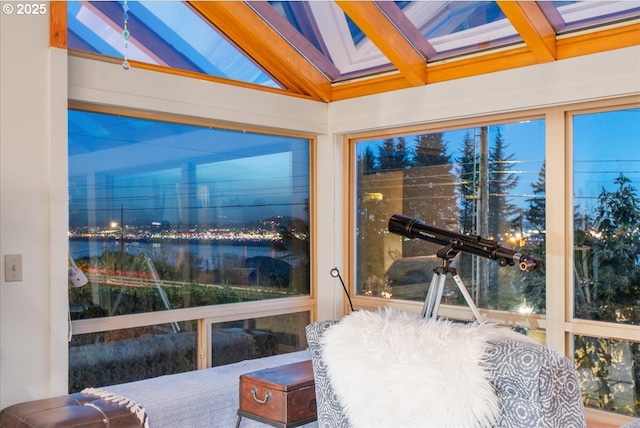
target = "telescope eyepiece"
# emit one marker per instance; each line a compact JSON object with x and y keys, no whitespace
{"x":528,"y":264}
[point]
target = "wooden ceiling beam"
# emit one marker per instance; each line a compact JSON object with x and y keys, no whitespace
{"x":483,"y":64}
{"x":370,"y":86}
{"x":599,"y":41}
{"x":534,"y":28}
{"x":58,"y":24}
{"x":370,"y":19}
{"x":410,"y":31}
{"x":440,"y":72}
{"x":238,"y":22}
{"x":570,"y":47}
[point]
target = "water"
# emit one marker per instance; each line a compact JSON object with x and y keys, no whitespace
{"x":208,"y":253}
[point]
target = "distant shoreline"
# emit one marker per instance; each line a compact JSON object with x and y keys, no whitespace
{"x":235,"y":242}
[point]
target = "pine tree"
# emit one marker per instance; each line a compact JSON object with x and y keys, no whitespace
{"x":537,"y":205}
{"x":393,"y":156}
{"x":429,"y":190}
{"x":367,"y":162}
{"x":468,"y":174}
{"x":501,"y":181}
{"x":430,"y":149}
{"x":496,"y":289}
{"x":378,"y":181}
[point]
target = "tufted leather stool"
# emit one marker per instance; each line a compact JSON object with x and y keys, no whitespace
{"x":74,"y":410}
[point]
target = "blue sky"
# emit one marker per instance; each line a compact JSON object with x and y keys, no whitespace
{"x":243,"y":175}
{"x":605,"y":145}
{"x":160,"y":171}
{"x":526,"y":140}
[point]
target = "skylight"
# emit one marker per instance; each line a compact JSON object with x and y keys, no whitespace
{"x":330,"y":50}
{"x":163,"y":33}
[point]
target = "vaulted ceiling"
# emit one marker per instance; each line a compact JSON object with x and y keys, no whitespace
{"x":329,"y":51}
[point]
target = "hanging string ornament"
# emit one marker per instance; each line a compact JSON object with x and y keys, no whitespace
{"x":125,"y":34}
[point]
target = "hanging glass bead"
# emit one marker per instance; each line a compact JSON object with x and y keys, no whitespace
{"x":125,"y":34}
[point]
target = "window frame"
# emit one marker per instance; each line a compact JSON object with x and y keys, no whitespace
{"x":536,"y":321}
{"x":574,"y":325}
{"x":559,"y":322}
{"x":208,"y":315}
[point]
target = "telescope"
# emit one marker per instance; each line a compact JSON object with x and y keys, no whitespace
{"x":472,"y":244}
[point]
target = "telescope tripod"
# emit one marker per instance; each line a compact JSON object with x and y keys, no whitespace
{"x":436,"y":289}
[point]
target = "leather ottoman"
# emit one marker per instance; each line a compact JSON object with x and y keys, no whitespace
{"x":74,"y":410}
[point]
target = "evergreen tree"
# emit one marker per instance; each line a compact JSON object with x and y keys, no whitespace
{"x":429,"y":190}
{"x":367,"y":162}
{"x":501,"y":182}
{"x":532,"y":285}
{"x":377,"y":203}
{"x":468,"y":170}
{"x":537,"y":205}
{"x":430,"y":149}
{"x":497,"y":288}
{"x":468,"y":173}
{"x":393,"y":156}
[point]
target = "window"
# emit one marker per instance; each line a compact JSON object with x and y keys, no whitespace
{"x":126,"y":355}
{"x":608,"y":373}
{"x":606,"y":235}
{"x":239,"y":340}
{"x":607,"y":216}
{"x":166,"y":216}
{"x":435,"y":175}
{"x":486,"y":181}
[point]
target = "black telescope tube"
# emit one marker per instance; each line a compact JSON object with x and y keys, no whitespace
{"x":473,"y":244}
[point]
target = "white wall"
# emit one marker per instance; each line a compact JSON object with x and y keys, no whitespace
{"x":33,"y":206}
{"x":32,"y":220}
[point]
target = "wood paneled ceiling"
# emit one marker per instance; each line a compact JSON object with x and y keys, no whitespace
{"x":330,"y":51}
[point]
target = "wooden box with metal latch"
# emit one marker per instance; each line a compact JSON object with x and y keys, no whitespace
{"x":283,"y":396}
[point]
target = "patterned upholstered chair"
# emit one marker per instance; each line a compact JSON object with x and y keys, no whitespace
{"x":535,"y":385}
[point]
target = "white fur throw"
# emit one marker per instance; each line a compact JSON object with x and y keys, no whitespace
{"x":396,"y":369}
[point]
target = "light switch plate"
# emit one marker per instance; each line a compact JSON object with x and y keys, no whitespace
{"x":12,"y":267}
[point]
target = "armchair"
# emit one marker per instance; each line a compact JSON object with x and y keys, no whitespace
{"x":534,"y":386}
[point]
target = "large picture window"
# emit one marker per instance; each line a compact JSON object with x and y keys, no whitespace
{"x":165,"y":216}
{"x":606,"y":176}
{"x":487,"y":181}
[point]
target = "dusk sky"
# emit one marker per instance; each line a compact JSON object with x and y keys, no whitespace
{"x":606,"y":144}
{"x":238,"y":176}
{"x":160,"y":171}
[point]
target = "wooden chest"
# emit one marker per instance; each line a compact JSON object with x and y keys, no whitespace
{"x":283,"y":396}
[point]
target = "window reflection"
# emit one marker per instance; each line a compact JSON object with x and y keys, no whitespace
{"x":258,"y":337}
{"x":440,"y":178}
{"x":608,"y":373}
{"x":118,"y":356}
{"x":165,"y":216}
